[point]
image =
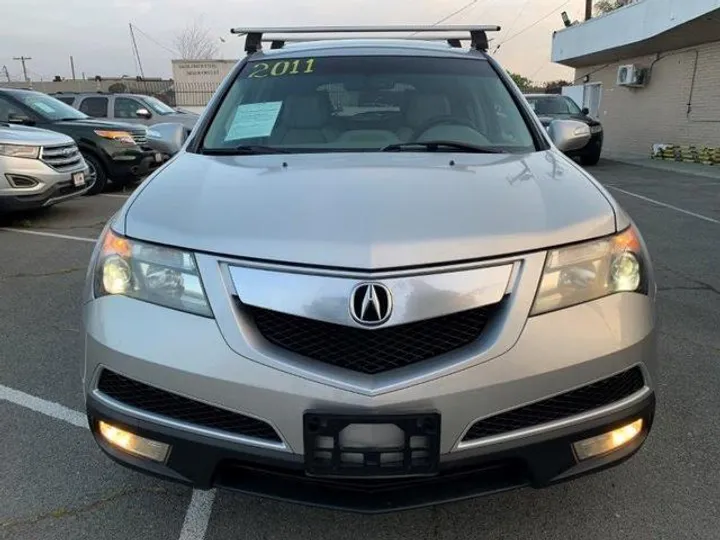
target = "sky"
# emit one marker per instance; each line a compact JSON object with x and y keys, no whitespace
{"x":96,"y":32}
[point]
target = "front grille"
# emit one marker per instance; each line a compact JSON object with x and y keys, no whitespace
{"x":371,"y":351}
{"x":150,"y":399}
{"x":581,"y":400}
{"x":139,"y":136}
{"x":62,"y":158}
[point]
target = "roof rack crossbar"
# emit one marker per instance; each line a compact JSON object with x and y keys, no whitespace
{"x":256,"y":36}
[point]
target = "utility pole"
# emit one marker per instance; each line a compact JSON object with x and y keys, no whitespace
{"x":24,"y":59}
{"x":588,"y":9}
{"x":6,"y":72}
{"x":135,"y":48}
{"x":72,"y":67}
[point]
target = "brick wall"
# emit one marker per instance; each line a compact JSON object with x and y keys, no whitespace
{"x":669,"y":109}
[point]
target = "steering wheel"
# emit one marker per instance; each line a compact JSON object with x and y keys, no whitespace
{"x":439,"y":121}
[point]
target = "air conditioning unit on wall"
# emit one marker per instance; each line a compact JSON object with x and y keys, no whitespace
{"x":631,"y":75}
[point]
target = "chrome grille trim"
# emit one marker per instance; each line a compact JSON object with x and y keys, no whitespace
{"x":62,"y":158}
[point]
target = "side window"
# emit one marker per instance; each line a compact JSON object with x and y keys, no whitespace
{"x":8,"y":109}
{"x":68,"y":100}
{"x":95,"y":106}
{"x":126,"y":107}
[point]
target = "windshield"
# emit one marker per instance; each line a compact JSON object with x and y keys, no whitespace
{"x":553,"y":105}
{"x":158,"y":106}
{"x":367,"y":103}
{"x":48,"y":107}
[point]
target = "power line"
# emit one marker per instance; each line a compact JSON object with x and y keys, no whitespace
{"x":517,"y":18}
{"x":135,"y":48}
{"x":532,"y":25}
{"x":156,"y":42}
{"x":456,"y":12}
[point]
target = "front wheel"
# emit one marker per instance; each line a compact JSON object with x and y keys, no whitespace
{"x":591,"y":158}
{"x":97,"y":177}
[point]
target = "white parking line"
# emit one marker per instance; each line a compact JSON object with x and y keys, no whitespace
{"x":666,"y":205}
{"x":49,"y":234}
{"x":48,"y":408}
{"x":197,"y":516}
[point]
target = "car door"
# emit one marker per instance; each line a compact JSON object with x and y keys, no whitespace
{"x":125,"y":110}
{"x":95,"y":106}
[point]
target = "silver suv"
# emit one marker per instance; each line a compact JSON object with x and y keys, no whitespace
{"x":131,"y":108}
{"x":371,"y":280}
{"x":38,"y":168}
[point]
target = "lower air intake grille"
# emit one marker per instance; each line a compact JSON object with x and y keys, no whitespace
{"x":371,"y":351}
{"x":153,"y":400}
{"x":587,"y":398}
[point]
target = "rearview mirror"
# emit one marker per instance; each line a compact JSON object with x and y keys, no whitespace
{"x":143,"y":113}
{"x":585,"y":111}
{"x":569,"y":135}
{"x":14,"y":118}
{"x":167,"y":138}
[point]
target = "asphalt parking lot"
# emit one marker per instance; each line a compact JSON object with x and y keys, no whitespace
{"x":55,"y":483}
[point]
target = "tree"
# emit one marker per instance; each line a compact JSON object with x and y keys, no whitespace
{"x":606,"y":6}
{"x":195,"y":42}
{"x":555,"y":87}
{"x":523,"y":82}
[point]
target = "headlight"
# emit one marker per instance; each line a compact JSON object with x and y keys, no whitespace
{"x":595,"y":129}
{"x":21,"y":151}
{"x":589,"y":271}
{"x":121,"y":136}
{"x":160,"y":275}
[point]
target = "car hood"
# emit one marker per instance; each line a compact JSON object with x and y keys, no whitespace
{"x":188,"y":120}
{"x":368,"y":211}
{"x":100,"y":124}
{"x":14,"y":134}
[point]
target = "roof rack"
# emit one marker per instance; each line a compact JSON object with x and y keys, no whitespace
{"x":256,"y":36}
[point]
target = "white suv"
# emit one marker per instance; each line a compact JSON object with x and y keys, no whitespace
{"x":38,"y":168}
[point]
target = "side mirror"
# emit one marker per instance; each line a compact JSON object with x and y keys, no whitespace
{"x":143,"y":113}
{"x":20,"y":119}
{"x":569,"y":135}
{"x":585,"y":111}
{"x":167,"y":138}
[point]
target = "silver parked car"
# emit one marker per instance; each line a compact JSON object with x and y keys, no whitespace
{"x":371,"y":280}
{"x":38,"y":168}
{"x":131,"y":108}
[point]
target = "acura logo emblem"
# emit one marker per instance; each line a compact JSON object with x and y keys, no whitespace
{"x":371,"y":304}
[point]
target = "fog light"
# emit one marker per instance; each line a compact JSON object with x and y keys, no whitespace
{"x":134,"y":444}
{"x":607,"y":442}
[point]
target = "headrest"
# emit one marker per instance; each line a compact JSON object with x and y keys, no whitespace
{"x":306,"y":111}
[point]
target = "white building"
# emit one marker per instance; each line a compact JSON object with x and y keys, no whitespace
{"x":197,"y":80}
{"x":650,"y":71}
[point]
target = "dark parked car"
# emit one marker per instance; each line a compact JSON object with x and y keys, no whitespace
{"x":112,"y":150}
{"x":549,"y":107}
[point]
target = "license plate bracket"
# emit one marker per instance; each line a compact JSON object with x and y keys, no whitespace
{"x":326,"y":455}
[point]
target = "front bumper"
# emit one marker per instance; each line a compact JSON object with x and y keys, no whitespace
{"x":554,"y":353}
{"x":134,"y":163}
{"x":538,"y":461}
{"x":593,"y":147}
{"x":51,"y":186}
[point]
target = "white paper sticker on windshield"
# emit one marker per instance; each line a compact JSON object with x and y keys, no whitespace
{"x":44,"y":107}
{"x":254,"y":120}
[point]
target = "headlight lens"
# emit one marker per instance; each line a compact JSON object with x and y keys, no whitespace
{"x":21,"y":151}
{"x":585,"y":272}
{"x":160,"y":275}
{"x":121,"y":136}
{"x":596,"y":129}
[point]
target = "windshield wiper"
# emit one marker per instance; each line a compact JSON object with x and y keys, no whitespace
{"x":434,"y":146}
{"x":244,"y":150}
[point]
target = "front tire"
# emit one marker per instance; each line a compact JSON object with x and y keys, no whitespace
{"x":591,"y":158}
{"x":97,"y":175}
